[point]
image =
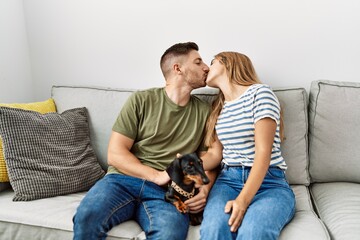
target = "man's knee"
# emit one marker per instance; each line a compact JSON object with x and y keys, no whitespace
{"x":172,"y":226}
{"x":83,"y":215}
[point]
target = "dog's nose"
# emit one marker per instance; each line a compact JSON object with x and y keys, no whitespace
{"x":205,"y":180}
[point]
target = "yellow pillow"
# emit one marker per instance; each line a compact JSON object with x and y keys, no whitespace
{"x":41,"y":107}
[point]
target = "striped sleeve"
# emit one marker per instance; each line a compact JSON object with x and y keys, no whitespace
{"x":266,"y":104}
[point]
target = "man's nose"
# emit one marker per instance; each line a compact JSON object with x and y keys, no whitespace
{"x":206,"y":68}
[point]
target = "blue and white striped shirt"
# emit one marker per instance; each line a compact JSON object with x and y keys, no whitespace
{"x":235,"y":126}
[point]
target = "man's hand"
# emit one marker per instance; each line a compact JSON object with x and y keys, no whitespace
{"x":161,"y":178}
{"x":197,"y":203}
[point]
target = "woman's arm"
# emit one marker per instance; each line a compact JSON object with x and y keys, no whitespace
{"x":213,"y":156}
{"x":211,"y":159}
{"x":264,"y":137}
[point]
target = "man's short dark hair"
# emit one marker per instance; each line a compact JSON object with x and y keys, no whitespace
{"x":175,"y":50}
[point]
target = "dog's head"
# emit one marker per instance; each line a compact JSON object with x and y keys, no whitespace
{"x":189,"y":167}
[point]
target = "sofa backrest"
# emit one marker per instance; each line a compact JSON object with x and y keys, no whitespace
{"x":334,"y":131}
{"x":294,"y":147}
{"x":104,"y":105}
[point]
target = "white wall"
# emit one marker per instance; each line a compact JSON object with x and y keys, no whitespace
{"x":115,"y":43}
{"x":15,"y":70}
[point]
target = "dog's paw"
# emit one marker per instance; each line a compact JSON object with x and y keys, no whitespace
{"x":181,"y":206}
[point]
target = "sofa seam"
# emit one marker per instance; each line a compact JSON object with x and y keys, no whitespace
{"x":36,"y":226}
{"x":337,"y":84}
{"x":315,"y":210}
{"x":312,"y":122}
{"x":306,"y":109}
{"x":108,"y":89}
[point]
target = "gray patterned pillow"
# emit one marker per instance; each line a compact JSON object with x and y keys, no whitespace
{"x":48,"y":154}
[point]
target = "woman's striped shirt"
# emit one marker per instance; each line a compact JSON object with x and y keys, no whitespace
{"x":236,"y":126}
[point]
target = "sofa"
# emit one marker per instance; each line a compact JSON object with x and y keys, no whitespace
{"x":321,"y":148}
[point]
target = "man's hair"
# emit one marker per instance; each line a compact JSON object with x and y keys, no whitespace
{"x":176,"y":50}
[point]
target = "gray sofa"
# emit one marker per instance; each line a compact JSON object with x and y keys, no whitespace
{"x":321,"y":149}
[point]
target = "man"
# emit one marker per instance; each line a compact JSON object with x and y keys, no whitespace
{"x":152,"y":127}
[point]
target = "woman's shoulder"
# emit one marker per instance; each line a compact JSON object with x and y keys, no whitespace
{"x":262,"y":88}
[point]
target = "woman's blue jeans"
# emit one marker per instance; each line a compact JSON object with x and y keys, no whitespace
{"x":270,"y":210}
{"x":117,"y":198}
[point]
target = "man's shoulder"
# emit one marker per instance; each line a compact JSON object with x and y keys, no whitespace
{"x":201,"y":104}
{"x":198,"y":100}
{"x":146,"y":94}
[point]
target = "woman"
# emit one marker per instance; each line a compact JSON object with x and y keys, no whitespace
{"x":251,"y":198}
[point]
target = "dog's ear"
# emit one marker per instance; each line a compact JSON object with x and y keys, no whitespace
{"x":194,"y":155}
{"x":174,"y":168}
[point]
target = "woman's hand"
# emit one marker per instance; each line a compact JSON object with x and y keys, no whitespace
{"x":197,"y":203}
{"x":237,"y":208}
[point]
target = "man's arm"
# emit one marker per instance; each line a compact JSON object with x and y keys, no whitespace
{"x":120,"y":157}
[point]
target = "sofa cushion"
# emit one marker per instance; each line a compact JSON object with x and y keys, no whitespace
{"x":305,"y":224}
{"x":294,"y":147}
{"x":48,"y":154}
{"x":334,"y":116}
{"x":103,"y":107}
{"x":51,"y":218}
{"x":42,"y":107}
{"x":338,"y":206}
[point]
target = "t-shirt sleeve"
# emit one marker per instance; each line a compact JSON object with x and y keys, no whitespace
{"x":266,"y":105}
{"x":128,"y":118}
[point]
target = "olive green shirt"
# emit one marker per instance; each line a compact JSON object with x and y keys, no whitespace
{"x":160,"y":128}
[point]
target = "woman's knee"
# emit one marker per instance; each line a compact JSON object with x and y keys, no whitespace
{"x":258,"y":231}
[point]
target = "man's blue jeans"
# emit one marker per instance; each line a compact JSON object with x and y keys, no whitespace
{"x":117,"y":198}
{"x":270,"y":210}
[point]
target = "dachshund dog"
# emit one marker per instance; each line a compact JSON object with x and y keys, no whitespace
{"x":185,"y":171}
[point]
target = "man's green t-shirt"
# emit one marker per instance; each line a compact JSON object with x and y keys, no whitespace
{"x":160,"y":128}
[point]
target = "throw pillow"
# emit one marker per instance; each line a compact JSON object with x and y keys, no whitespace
{"x":42,"y":107}
{"x":48,"y":154}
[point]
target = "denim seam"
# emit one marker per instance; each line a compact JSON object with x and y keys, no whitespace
{"x":243,"y":175}
{"x":113,"y":211}
{"x":288,"y":219}
{"x":149,"y":216}
{"x":146,"y":210}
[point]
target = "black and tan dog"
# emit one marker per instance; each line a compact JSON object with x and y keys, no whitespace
{"x":185,"y":171}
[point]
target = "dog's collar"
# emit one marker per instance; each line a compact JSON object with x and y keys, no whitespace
{"x":182,"y":191}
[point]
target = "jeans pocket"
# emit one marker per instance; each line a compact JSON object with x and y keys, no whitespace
{"x":276,"y":173}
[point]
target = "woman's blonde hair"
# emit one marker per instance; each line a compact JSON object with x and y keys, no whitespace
{"x":240,"y":71}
